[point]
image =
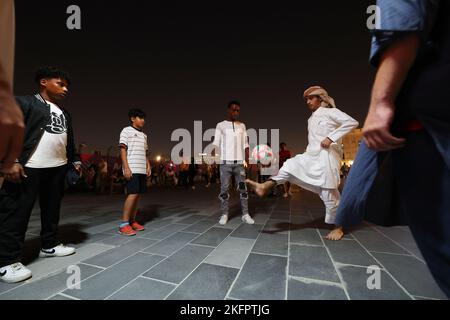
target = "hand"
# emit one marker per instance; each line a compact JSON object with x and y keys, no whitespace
{"x":127,"y":173}
{"x":14,"y":173}
{"x":11,"y":129}
{"x":326,"y":143}
{"x":149,"y":172}
{"x":376,"y":131}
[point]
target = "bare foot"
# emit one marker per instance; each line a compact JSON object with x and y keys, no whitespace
{"x":336,"y":234}
{"x":261,"y":189}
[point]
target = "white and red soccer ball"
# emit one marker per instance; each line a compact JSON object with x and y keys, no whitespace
{"x":262,"y":153}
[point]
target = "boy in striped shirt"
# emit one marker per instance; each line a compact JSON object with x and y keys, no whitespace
{"x":136,"y":169}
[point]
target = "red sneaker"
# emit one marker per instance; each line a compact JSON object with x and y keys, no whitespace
{"x":136,"y":226}
{"x":127,"y":231}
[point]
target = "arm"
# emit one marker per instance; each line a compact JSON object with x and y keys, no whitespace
{"x":246,"y":147}
{"x":11,"y":125}
{"x":149,"y":167}
{"x":217,"y":140}
{"x":347,"y":124}
{"x":395,"y":64}
{"x":126,"y":168}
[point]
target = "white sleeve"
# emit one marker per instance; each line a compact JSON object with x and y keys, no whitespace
{"x":246,"y":145}
{"x":346,"y":123}
{"x":146,"y":143}
{"x":217,"y":136}
{"x":123,"y":137}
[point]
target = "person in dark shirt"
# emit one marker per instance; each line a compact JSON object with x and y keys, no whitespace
{"x":41,"y":169}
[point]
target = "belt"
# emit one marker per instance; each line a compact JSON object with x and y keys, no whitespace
{"x":232,"y":162}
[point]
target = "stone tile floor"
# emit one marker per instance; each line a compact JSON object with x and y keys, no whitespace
{"x":184,"y":254}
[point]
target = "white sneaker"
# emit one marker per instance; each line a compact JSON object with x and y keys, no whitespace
{"x":58,"y":251}
{"x":247,"y":219}
{"x":15,"y":272}
{"x":223,"y":219}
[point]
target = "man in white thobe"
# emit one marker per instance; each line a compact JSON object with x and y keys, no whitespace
{"x":318,"y":169}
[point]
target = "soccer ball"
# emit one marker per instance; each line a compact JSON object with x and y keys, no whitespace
{"x":262,"y":153}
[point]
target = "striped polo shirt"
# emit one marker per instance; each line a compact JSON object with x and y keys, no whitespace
{"x":136,"y":143}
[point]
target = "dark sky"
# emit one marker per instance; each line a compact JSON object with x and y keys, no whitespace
{"x":181,"y":62}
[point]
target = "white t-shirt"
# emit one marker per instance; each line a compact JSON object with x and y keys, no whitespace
{"x":231,"y":138}
{"x":51,"y":149}
{"x":136,"y":142}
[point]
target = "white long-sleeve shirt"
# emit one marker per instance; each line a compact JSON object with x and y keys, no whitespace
{"x":328,"y":123}
{"x":231,"y":138}
{"x":318,"y":166}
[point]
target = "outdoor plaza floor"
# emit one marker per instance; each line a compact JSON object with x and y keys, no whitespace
{"x":184,"y":254}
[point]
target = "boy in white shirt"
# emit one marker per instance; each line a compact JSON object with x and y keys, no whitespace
{"x":136,"y":169}
{"x":40,"y":171}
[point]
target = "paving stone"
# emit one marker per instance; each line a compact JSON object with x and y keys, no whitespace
{"x":119,"y":253}
{"x":231,"y":253}
{"x":46,"y":287}
{"x":311,"y":262}
{"x":412,"y":274}
{"x":179,"y":265}
{"x":200,"y":226}
{"x":356,"y":281}
{"x":112,"y":279}
{"x":247,"y":231}
{"x":169,"y":245}
{"x":299,"y":290}
{"x":276,"y":227}
{"x":163,"y":232}
{"x":213,"y":237}
{"x":259,"y":273}
{"x":207,"y":282}
{"x":143,"y":289}
{"x":191,"y":220}
{"x":272,"y":244}
{"x":349,"y":252}
{"x":374,"y":241}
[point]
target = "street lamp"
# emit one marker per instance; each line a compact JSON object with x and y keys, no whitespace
{"x":158,"y":158}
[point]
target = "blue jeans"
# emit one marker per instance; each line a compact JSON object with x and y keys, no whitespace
{"x":420,"y":192}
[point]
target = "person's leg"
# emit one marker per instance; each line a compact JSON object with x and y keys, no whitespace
{"x":224,"y":196}
{"x":331,"y":198}
{"x":50,"y":197}
{"x":16,"y":204}
{"x":133,"y":189}
{"x":239,"y":175}
{"x":286,"y":188}
{"x":142,"y":189}
{"x":423,"y":185}
{"x":262,"y":189}
{"x":135,"y":209}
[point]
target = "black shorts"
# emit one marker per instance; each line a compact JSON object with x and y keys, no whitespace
{"x":137,"y":184}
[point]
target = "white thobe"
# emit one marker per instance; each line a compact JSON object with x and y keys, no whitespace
{"x":318,"y":169}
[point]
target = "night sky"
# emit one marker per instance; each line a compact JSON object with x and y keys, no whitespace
{"x":181,"y":62}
